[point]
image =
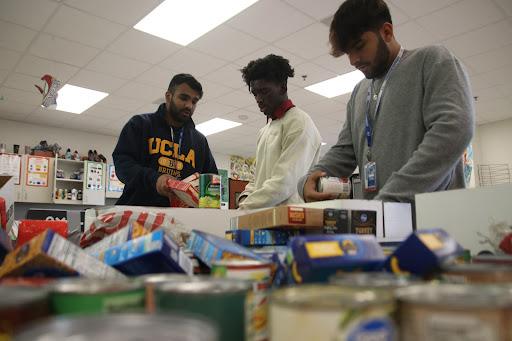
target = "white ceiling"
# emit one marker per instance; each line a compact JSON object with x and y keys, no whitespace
{"x":92,"y":44}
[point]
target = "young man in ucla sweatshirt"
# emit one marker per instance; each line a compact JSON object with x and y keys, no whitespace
{"x":153,"y":148}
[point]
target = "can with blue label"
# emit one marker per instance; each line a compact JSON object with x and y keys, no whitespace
{"x":210,"y":190}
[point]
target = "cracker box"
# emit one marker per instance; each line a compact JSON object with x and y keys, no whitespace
{"x":50,"y":255}
{"x":423,"y":252}
{"x":156,"y":252}
{"x":338,"y":221}
{"x":132,"y":231}
{"x":280,"y":217}
{"x":208,"y":247}
{"x":314,"y":258}
{"x":186,"y":190}
{"x":260,"y":237}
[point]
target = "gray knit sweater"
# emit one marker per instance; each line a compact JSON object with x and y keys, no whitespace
{"x":425,"y":123}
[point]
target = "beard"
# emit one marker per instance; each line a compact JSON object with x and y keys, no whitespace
{"x":381,"y":60}
{"x":175,"y":113}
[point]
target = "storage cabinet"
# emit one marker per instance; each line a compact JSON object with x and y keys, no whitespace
{"x":35,"y":174}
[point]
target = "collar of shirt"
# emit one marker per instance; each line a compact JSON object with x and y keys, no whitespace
{"x":282,"y":109}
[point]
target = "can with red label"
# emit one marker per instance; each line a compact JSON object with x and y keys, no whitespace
{"x":258,"y":273}
{"x":337,"y":186}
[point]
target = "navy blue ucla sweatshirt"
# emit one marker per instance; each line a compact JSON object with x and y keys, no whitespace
{"x":145,"y":150}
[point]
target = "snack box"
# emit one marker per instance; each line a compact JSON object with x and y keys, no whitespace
{"x":423,"y":252}
{"x":282,"y":217}
{"x":208,"y":247}
{"x":186,"y":189}
{"x":313,"y":258}
{"x":50,"y":255}
{"x":156,"y":252}
{"x":260,"y":237}
{"x":28,"y":229}
{"x":132,"y":231}
{"x":338,"y":221}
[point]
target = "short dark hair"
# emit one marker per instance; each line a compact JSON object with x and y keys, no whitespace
{"x":272,"y":68}
{"x":352,"y":19}
{"x":189,"y":80}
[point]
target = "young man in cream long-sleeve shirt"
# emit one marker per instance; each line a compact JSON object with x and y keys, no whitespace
{"x":287,"y":146}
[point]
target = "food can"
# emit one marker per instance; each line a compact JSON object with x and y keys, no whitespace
{"x":20,"y":305}
{"x":383,"y":280}
{"x":149,"y":281}
{"x":91,"y":296}
{"x":258,"y":273}
{"x":209,"y":190}
{"x":454,"y":312}
{"x":225,"y":301}
{"x":337,"y":186}
{"x":476,"y":273}
{"x":126,"y":327}
{"x":330,"y":312}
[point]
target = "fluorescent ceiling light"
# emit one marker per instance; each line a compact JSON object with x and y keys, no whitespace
{"x":216,"y":125}
{"x":183,"y":21}
{"x":76,"y":99}
{"x":338,"y":85}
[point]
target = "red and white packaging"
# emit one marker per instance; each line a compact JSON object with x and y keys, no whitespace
{"x":186,"y":190}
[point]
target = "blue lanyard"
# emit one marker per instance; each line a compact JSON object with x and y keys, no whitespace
{"x":179,"y":144}
{"x":369,"y":130}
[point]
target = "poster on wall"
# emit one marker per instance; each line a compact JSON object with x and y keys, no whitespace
{"x":468,"y":165}
{"x":114,"y":184}
{"x":10,"y":164}
{"x":94,"y":176}
{"x":224,"y":184}
{"x":38,"y":169}
{"x":242,"y":168}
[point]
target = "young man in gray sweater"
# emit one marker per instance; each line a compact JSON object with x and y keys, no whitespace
{"x":408,"y":123}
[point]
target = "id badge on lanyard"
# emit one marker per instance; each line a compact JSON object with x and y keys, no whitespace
{"x":370,"y":169}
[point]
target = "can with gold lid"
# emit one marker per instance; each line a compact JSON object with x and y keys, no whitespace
{"x":330,"y":312}
{"x":454,"y":312}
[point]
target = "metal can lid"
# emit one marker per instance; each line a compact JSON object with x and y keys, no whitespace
{"x":456,"y":295}
{"x":16,"y":296}
{"x":93,"y":286}
{"x":121,"y":327}
{"x":162,"y":278}
{"x":240,"y":262}
{"x":330,"y":297}
{"x":374,"y":280}
{"x":206,"y":285}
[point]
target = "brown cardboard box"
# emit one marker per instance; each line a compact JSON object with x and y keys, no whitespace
{"x":43,"y":153}
{"x":292,"y":217}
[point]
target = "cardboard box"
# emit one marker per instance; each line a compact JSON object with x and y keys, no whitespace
{"x":423,"y":252}
{"x":156,"y":252}
{"x":314,"y":258}
{"x":260,"y":237}
{"x":50,"y":255}
{"x":282,"y":217}
{"x":28,"y":229}
{"x":186,"y":190}
{"x":350,"y":221}
{"x":43,"y":153}
{"x":6,"y":202}
{"x":127,"y":233}
{"x":75,"y":219}
{"x":208,"y":247}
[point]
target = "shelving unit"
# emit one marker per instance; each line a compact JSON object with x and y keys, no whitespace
{"x":493,"y":174}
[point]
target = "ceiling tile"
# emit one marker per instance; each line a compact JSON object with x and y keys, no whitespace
{"x":461,"y":17}
{"x":62,"y":50}
{"x":492,"y":60}
{"x":189,"y":61}
{"x":49,"y":117}
{"x":324,"y":107}
{"x":271,"y":13}
{"x":505,"y":6}
{"x":96,"y":81}
{"x":237,"y":98}
{"x":412,"y":36}
{"x":226,"y":43}
{"x":228,"y":75}
{"x":15,"y":37}
{"x":464,"y":45}
{"x":314,"y":9}
{"x":212,"y":90}
{"x":28,"y":13}
{"x":265,"y":51}
{"x":24,"y":82}
{"x":302,"y":97}
{"x":500,"y":76}
{"x":38,"y":67}
{"x":142,"y":46}
{"x":215,"y":109}
{"x":308,"y":43}
{"x":340,"y":65}
{"x":121,"y":103}
{"x":3,"y":76}
{"x":15,"y":111}
{"x":117,"y":66}
{"x":20,"y":96}
{"x":157,"y":76}
{"x":85,"y":28}
{"x":419,"y":8}
{"x":8,"y":59}
{"x":140,"y":91}
{"x":104,"y":112}
{"x":126,"y":12}
{"x":312,"y":72}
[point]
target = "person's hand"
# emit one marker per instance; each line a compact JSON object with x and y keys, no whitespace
{"x":310,"y":192}
{"x":161,"y":186}
{"x":242,"y":199}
